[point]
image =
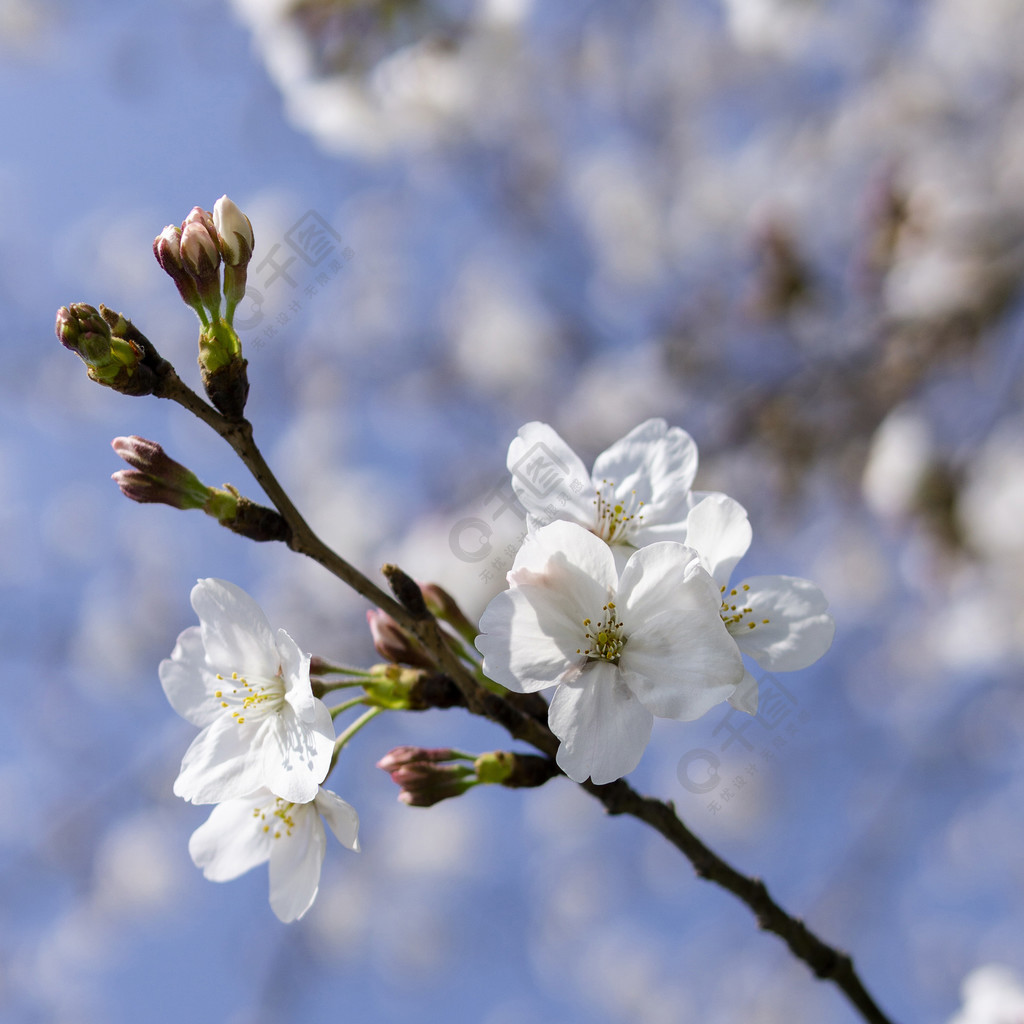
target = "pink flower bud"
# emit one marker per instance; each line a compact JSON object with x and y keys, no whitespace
{"x":156,"y":477}
{"x":394,"y":643}
{"x":401,"y":756}
{"x":167,"y":250}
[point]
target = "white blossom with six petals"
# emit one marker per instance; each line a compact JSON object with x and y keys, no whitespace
{"x":621,"y":648}
{"x":249,"y":692}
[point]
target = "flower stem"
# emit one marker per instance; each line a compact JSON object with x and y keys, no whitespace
{"x":326,"y":668}
{"x":363,"y":719}
{"x":343,"y":707}
{"x":338,"y":684}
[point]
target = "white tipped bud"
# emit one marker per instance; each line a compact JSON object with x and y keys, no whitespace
{"x":235,"y":231}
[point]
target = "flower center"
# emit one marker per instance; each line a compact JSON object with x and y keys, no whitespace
{"x":738,"y":617}
{"x":614,"y":514}
{"x":257,"y":697}
{"x":278,"y":819}
{"x":604,"y":638}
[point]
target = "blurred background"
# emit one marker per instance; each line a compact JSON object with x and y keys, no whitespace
{"x":793,"y":227}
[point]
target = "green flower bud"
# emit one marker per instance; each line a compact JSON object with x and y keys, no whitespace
{"x":391,"y":687}
{"x":114,"y":351}
{"x":494,"y":767}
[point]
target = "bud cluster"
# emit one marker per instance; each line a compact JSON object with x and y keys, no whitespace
{"x":114,"y":351}
{"x":428,"y":776}
{"x":192,"y":255}
{"x":156,"y":477}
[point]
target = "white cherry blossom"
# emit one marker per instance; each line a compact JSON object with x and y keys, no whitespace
{"x":637,"y":492}
{"x":248,"y":690}
{"x":620,"y":647}
{"x":782,"y":622}
{"x":241,"y":834}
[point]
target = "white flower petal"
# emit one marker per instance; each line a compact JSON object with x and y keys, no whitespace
{"x":799,"y":629}
{"x":681,"y":665}
{"x":295,"y":755}
{"x":219,"y":765}
{"x":664,"y":575}
{"x":744,"y":697}
{"x":236,"y":633}
{"x":341,"y":818}
{"x":295,"y":862}
{"x":604,"y":729}
{"x":570,"y":559}
{"x":544,"y":467}
{"x":517,"y":642}
{"x":187,"y":680}
{"x":295,"y":669}
{"x":231,"y":841}
{"x":658,"y":463}
{"x":717,"y":528}
{"x":531,"y":633}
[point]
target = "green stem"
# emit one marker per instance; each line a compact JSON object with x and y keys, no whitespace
{"x":347,"y":734}
{"x":341,"y":684}
{"x":342,"y":708}
{"x":326,"y":668}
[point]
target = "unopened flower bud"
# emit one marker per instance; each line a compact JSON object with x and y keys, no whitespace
{"x":443,"y":606}
{"x":156,"y":477}
{"x":114,"y":352}
{"x":399,"y":757}
{"x":423,"y":776}
{"x":391,"y":641}
{"x":426,"y":785}
{"x":494,"y":767}
{"x":200,"y":254}
{"x":234,"y":233}
{"x":392,"y":686}
{"x":167,"y":250}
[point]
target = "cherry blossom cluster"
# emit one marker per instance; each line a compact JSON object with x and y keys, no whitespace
{"x":620,"y":598}
{"x":264,"y":747}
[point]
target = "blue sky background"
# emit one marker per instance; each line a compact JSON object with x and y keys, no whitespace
{"x":567,"y":216}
